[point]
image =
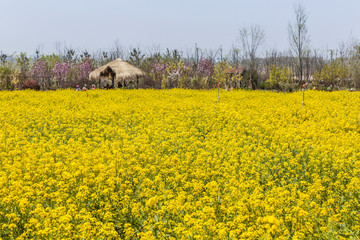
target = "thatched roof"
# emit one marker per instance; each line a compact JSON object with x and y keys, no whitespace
{"x":123,"y":71}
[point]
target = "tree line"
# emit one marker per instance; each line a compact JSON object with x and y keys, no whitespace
{"x":197,"y":68}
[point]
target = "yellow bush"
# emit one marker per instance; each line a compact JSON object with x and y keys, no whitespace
{"x":178,"y":164}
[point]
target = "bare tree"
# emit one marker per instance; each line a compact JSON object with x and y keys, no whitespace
{"x":117,"y":51}
{"x":250,"y":39}
{"x":153,"y":51}
{"x":299,"y":39}
{"x":354,"y":65}
{"x":343,"y":52}
{"x":234,"y":56}
{"x":272,"y":58}
{"x":318,"y":61}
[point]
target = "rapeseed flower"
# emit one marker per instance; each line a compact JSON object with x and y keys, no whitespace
{"x":177,"y":164}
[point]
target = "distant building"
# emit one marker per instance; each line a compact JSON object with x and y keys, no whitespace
{"x":118,"y":73}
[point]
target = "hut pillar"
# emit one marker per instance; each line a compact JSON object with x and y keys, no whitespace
{"x":113,"y":78}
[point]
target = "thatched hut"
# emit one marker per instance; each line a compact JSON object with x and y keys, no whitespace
{"x":119,"y":72}
{"x":234,"y":76}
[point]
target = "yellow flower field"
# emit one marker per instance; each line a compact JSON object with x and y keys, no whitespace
{"x":176,"y":164}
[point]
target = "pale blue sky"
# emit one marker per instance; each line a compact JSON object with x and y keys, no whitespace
{"x":93,"y":25}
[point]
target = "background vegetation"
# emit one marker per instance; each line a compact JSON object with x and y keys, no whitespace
{"x":242,"y":66}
